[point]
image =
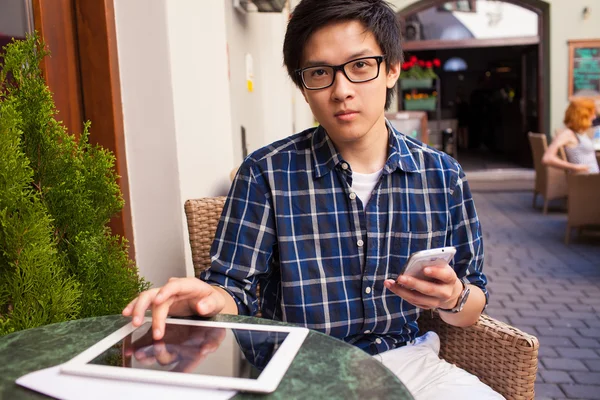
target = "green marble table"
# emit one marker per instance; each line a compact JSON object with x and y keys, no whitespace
{"x":325,"y":368}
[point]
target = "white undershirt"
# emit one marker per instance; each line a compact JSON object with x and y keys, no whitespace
{"x":363,"y":185}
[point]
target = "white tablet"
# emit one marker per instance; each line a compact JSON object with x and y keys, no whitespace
{"x":220,"y":355}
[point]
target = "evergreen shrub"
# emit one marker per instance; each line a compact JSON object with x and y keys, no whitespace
{"x":58,"y":257}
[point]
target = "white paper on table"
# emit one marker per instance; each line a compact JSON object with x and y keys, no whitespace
{"x":52,"y":383}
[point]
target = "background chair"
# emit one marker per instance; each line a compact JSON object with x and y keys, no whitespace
{"x":550,"y":182}
{"x":501,"y":356}
{"x":584,"y":202}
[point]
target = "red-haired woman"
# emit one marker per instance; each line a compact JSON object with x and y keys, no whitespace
{"x":578,"y":145}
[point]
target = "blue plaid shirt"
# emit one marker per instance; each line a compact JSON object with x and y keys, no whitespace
{"x":293,"y":224}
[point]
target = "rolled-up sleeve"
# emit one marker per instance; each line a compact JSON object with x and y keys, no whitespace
{"x":465,"y":235}
{"x":244,"y":239}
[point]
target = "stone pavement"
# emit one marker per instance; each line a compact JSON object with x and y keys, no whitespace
{"x":546,"y":288}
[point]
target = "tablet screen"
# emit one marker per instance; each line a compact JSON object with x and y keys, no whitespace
{"x":204,"y":350}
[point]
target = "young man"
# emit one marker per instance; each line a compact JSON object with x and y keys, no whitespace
{"x":324,"y":220}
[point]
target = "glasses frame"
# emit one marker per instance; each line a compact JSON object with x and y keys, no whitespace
{"x":341,"y":67}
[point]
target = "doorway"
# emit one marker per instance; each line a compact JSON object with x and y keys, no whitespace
{"x":490,"y":101}
{"x":493,"y":73}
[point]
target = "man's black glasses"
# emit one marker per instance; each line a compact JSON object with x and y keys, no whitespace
{"x":359,"y":70}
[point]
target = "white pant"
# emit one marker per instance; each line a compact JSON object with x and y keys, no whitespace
{"x":427,"y":376}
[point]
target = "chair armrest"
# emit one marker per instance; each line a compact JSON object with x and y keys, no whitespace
{"x":556,"y":183}
{"x":500,"y":355}
{"x":202,"y":217}
{"x":584,"y":199}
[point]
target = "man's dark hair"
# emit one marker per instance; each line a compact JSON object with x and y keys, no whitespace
{"x":311,"y":15}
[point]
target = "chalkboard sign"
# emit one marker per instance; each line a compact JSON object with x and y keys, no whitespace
{"x":584,"y":68}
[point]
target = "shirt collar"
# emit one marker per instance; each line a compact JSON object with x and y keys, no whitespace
{"x":326,"y":156}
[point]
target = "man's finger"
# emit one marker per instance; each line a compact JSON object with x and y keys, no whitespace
{"x":159,"y":316}
{"x":412,"y":296}
{"x":420,"y":285}
{"x":442,"y":273}
{"x":209,"y":347}
{"x":141,"y":343}
{"x":210,"y":305}
{"x":182,"y":288}
{"x":145,"y":355}
{"x":162,"y":354}
{"x":142,"y":304}
{"x":145,"y":360}
{"x":129,"y":308}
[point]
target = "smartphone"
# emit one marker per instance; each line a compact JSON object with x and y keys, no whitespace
{"x":426,"y":258}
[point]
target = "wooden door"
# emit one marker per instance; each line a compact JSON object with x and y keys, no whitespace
{"x":83,"y":74}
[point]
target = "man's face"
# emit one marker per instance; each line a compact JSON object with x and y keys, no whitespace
{"x":348,"y":111}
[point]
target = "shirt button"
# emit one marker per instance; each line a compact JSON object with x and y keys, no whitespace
{"x":344,"y":166}
{"x":352,"y":195}
{"x":378,"y":341}
{"x":360,"y":243}
{"x":368,"y":290}
{"x":367,"y":331}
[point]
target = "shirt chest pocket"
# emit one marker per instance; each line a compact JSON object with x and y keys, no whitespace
{"x":406,"y":243}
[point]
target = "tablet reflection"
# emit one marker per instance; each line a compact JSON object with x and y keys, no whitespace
{"x":195,"y":349}
{"x":182,"y":348}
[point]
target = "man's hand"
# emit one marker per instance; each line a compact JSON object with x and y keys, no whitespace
{"x":179,"y":297}
{"x":443,"y":292}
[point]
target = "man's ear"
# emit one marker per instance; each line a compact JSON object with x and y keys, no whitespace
{"x":393,"y":74}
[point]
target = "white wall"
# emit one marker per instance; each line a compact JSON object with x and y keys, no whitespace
{"x":177,"y":121}
{"x":566,"y":23}
{"x":269,"y":111}
{"x":245,"y":106}
{"x":200,"y":84}
{"x":276,"y":88}
{"x":202,"y":103}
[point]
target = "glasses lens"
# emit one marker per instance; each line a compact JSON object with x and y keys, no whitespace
{"x":362,"y":70}
{"x":317,"y":77}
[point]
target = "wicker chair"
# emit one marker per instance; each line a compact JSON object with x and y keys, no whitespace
{"x":584,"y":202}
{"x":550,"y":182}
{"x":503,"y":357}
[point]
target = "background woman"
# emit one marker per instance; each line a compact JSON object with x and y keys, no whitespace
{"x":578,"y":145}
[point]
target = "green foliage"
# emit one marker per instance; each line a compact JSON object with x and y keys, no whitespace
{"x":418,"y":72}
{"x":34,"y":284}
{"x":58,"y":258}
